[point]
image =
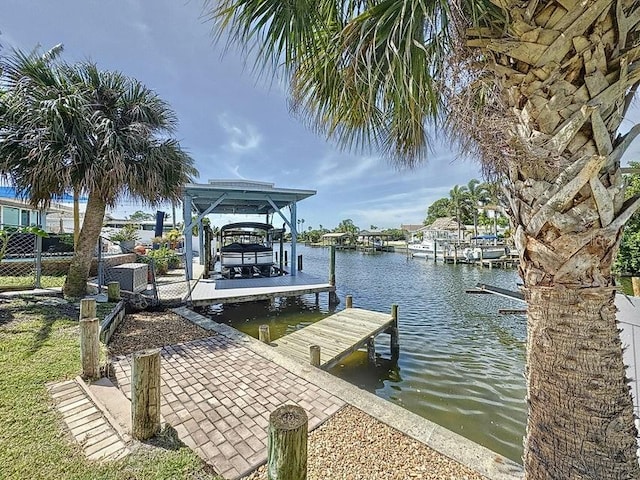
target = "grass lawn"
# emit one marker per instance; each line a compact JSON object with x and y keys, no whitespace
{"x":39,"y":344}
{"x":28,"y":281}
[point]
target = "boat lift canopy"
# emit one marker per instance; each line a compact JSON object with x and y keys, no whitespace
{"x":240,"y":197}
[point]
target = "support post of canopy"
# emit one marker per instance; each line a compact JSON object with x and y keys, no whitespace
{"x":188,"y":243}
{"x":294,"y":239}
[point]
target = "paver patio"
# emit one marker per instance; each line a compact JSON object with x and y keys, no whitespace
{"x":218,"y":396}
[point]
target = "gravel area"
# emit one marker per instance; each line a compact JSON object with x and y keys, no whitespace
{"x":355,"y":446}
{"x":143,"y":330}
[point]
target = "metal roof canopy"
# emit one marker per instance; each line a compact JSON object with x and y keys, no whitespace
{"x":241,"y":197}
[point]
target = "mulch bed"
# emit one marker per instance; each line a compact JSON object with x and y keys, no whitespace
{"x":143,"y":330}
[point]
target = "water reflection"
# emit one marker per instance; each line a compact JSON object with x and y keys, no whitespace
{"x":460,"y":363}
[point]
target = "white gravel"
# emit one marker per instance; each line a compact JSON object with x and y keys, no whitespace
{"x":355,"y":446}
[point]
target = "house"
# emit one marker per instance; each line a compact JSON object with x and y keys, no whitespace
{"x":411,"y":231}
{"x":444,"y":228}
{"x":16,"y":212}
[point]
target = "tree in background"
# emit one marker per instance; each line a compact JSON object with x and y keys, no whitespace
{"x":75,"y":127}
{"x":140,"y":216}
{"x":459,"y":206}
{"x":537,"y":90}
{"x":477,"y":196}
{"x":347,"y":226}
{"x":438,"y":209}
{"x":628,"y":260}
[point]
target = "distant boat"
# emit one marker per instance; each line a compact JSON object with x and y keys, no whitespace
{"x":486,"y":248}
{"x":425,"y":249}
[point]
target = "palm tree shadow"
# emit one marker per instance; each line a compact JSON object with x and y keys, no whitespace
{"x":49,"y":316}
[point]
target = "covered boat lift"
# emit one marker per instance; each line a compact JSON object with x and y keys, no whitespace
{"x":239,"y":197}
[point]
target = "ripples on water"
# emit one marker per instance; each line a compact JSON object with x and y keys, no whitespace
{"x":461,"y":364}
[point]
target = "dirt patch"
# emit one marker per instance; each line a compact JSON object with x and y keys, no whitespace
{"x":143,"y":330}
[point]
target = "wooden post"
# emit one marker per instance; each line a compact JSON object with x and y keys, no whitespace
{"x":113,"y":291}
{"x":287,"y":443}
{"x":332,"y":265}
{"x":333,"y":297}
{"x":435,"y":251}
{"x":300,"y":262}
{"x":314,"y":355}
{"x":395,"y":344}
{"x":265,"y":334}
{"x":90,"y":347}
{"x":145,"y":394}
{"x":455,"y":254}
{"x":371,"y":350}
{"x":286,"y":257}
{"x":88,"y":308}
{"x":349,"y":301}
{"x":635,"y":282}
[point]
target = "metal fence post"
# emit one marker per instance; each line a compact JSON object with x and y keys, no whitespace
{"x":100,"y":266}
{"x":38,"y":261}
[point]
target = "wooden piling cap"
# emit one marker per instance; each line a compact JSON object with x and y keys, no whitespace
{"x":288,"y":417}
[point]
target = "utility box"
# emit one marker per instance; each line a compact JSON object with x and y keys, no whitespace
{"x":132,"y":276}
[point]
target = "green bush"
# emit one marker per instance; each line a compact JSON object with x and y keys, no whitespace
{"x":628,"y":260}
{"x":163,"y":258}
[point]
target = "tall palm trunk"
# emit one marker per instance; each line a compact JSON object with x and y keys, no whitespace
{"x":567,"y":82}
{"x":76,"y":282}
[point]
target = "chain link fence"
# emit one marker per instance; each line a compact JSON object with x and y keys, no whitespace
{"x":155,"y":277}
{"x":28,"y":260}
{"x":146,"y":276}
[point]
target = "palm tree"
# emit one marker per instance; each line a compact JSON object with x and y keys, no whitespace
{"x":538,"y":90}
{"x":459,"y":204}
{"x":99,"y":133}
{"x":476,"y":196}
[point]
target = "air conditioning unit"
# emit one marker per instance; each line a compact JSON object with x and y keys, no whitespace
{"x":131,"y":276}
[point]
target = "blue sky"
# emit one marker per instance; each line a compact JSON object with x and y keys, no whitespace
{"x":234,"y":123}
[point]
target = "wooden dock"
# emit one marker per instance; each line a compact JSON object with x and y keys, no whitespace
{"x":209,"y":291}
{"x":339,"y":335}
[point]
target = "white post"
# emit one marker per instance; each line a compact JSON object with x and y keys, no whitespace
{"x":294,"y":239}
{"x":188,"y":244}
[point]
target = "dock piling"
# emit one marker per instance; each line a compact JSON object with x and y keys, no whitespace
{"x":333,"y":297}
{"x":635,"y":282}
{"x":145,"y":394}
{"x":394,"y":343}
{"x":300,"y":262}
{"x":314,"y":355}
{"x":88,"y":308}
{"x":349,"y":301}
{"x":113,"y":291}
{"x":90,"y":348}
{"x":264,"y":334}
{"x":287,"y":443}
{"x":371,"y":350}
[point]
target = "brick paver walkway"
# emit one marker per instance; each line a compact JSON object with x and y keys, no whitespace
{"x":218,"y":396}
{"x":86,"y":422}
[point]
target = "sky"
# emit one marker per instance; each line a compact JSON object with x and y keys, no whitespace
{"x":234,"y":122}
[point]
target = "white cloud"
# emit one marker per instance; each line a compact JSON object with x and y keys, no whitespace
{"x":241,"y":138}
{"x":337,"y":171}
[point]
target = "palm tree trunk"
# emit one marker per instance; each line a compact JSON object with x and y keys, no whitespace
{"x":76,"y":217}
{"x":76,"y":282}
{"x":567,"y":72}
{"x":581,"y":413}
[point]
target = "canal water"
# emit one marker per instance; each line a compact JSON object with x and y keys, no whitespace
{"x":461,"y":364}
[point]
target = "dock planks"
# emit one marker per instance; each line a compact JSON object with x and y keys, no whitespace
{"x":209,"y":292}
{"x":337,"y":336}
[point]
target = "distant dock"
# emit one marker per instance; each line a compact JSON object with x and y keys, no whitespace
{"x":327,"y":342}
